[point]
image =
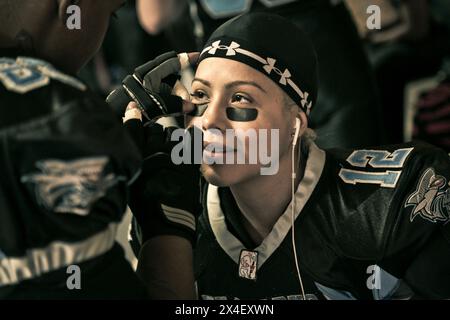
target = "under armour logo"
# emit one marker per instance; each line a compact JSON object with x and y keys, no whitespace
{"x":304,"y":101}
{"x":271,"y":66}
{"x":231,"y":49}
{"x":308,"y":107}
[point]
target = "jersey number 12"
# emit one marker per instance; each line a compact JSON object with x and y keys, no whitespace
{"x":379,"y":159}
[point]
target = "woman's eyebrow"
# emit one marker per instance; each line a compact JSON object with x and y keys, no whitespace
{"x":232,"y":84}
{"x":206,"y":83}
{"x":240,"y":83}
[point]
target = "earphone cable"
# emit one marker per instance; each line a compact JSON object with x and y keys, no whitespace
{"x":294,"y":248}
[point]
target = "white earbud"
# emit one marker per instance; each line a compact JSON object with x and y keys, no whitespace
{"x":297,"y":131}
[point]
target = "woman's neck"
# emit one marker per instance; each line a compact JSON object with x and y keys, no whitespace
{"x":263,"y":199}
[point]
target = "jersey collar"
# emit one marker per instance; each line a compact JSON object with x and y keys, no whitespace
{"x":233,"y":246}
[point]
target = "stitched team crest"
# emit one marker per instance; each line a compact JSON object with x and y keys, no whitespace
{"x":27,"y":74}
{"x":71,"y":186}
{"x":431,"y":200}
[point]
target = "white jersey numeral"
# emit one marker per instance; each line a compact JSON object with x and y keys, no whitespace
{"x":375,"y":159}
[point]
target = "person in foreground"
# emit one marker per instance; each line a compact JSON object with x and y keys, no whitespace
{"x":335,"y":224}
{"x":66,"y":162}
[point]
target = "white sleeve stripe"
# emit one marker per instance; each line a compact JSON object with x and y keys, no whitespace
{"x":55,"y":256}
{"x":186,"y":215}
{"x":182,"y":222}
{"x":178,"y":217}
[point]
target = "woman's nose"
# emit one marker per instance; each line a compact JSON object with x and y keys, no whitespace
{"x":214,"y":116}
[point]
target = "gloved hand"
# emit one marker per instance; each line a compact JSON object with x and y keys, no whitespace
{"x":155,"y":88}
{"x":165,"y":199}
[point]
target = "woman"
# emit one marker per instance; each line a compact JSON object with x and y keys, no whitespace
{"x":340,"y":224}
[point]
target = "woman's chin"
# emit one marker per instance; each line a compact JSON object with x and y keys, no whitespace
{"x":226,"y":175}
{"x":212,"y":175}
{"x":219,"y":175}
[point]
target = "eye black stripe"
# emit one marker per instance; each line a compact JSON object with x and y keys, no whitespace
{"x":243,"y":115}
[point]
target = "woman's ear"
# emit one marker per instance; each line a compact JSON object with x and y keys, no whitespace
{"x":303,"y":121}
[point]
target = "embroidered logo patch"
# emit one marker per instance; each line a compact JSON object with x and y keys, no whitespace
{"x":26,"y":74}
{"x":71,"y":186}
{"x":431,"y":199}
{"x":248,"y":263}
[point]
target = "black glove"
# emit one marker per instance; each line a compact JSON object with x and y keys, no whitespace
{"x":165,"y":199}
{"x":151,"y":88}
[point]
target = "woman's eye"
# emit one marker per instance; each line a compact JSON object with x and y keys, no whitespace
{"x":199,"y":95}
{"x":240,"y":99}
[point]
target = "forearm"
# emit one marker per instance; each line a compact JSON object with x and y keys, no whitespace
{"x":155,"y":15}
{"x":166,"y":267}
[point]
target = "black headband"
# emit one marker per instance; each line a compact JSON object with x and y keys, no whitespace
{"x":292,"y":64}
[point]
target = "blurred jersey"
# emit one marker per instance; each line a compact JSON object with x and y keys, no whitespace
{"x":65,"y":163}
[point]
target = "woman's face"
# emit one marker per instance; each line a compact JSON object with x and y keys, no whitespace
{"x":239,"y":98}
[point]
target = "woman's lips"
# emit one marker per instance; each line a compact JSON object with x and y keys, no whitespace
{"x":216,"y":151}
{"x":214,"y":147}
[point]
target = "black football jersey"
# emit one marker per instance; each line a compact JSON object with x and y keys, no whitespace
{"x":65,"y":164}
{"x":370,"y":224}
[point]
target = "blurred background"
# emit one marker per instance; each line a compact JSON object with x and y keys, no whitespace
{"x":377,"y":86}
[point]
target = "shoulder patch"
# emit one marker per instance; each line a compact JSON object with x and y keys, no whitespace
{"x":27,"y":74}
{"x":431,"y":199}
